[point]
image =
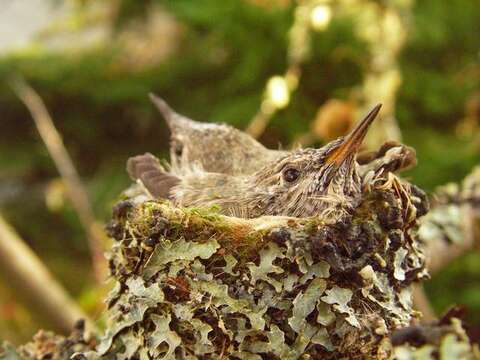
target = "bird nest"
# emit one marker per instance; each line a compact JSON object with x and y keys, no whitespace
{"x":194,"y":284}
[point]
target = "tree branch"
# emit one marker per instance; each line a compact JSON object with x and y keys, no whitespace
{"x":450,"y":229}
{"x":75,"y":189}
{"x":24,"y":270}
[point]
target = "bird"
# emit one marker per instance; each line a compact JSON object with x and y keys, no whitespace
{"x":204,"y":145}
{"x":302,"y":183}
{"x":219,"y":148}
{"x":391,"y":157}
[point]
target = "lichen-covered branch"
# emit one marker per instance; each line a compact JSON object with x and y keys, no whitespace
{"x":445,"y":339}
{"x":47,"y":345}
{"x":452,"y":226}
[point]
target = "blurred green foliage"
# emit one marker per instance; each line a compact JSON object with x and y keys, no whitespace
{"x":227,"y":51}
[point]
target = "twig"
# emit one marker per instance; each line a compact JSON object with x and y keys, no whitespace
{"x":298,"y":49}
{"x":259,"y":122}
{"x":75,"y":189}
{"x":422,"y":304}
{"x":25,"y":270}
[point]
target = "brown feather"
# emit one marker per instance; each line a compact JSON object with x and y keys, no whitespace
{"x":153,"y":176}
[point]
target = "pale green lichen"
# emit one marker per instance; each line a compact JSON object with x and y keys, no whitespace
{"x":399,"y":272}
{"x":167,"y":252}
{"x":340,"y":298}
{"x":261,"y":272}
{"x":305,"y":302}
{"x":162,"y":337}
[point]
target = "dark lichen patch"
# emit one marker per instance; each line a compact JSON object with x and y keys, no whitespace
{"x":266,"y":288}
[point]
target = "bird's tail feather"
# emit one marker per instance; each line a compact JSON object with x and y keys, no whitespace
{"x":147,"y":169}
{"x":167,"y":112}
{"x":177,"y":123}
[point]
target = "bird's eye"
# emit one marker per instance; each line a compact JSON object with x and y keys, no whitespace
{"x":178,"y":149}
{"x":291,"y":175}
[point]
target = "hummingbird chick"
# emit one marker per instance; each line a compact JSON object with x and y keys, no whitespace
{"x":392,"y":157}
{"x":207,"y":145}
{"x":302,"y":183}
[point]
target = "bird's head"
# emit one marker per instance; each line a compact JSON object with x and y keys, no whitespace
{"x":308,"y":181}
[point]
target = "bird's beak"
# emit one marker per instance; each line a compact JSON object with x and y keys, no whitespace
{"x":352,"y":141}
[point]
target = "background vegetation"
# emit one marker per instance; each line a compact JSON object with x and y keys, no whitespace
{"x":211,"y":60}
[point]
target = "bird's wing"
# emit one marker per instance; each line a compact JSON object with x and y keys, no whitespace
{"x":147,"y":169}
{"x":391,"y":157}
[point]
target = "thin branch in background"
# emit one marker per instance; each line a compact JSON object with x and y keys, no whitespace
{"x":259,"y":123}
{"x":75,"y":189}
{"x":309,"y":15}
{"x":384,"y":30}
{"x":23,"y":268}
{"x":422,"y":304}
{"x":461,"y":222}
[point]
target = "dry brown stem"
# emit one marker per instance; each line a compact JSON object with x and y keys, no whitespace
{"x":26,"y":273}
{"x":422,"y":304}
{"x":75,"y":188}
